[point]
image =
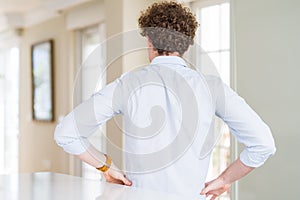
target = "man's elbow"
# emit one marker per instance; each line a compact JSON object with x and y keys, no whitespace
{"x":58,"y":136}
{"x":255,"y":156}
{"x":270,"y":149}
{"x":267,"y":149}
{"x":268,"y":143}
{"x":68,"y":139}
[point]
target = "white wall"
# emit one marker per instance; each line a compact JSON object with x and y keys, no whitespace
{"x":268,"y":69}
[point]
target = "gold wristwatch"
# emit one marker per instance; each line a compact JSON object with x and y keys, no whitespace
{"x":107,"y":164}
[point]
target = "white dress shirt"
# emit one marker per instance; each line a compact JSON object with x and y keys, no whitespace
{"x":169,"y":112}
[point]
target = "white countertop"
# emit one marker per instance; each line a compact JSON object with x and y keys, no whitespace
{"x":53,"y":186}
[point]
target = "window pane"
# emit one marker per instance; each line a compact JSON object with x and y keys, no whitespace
{"x":224,"y":69}
{"x":225,"y":26}
{"x":93,"y":57}
{"x":206,"y":64}
{"x":92,"y":79}
{"x":9,"y":110}
{"x":2,"y":95}
{"x":210,"y":28}
{"x":215,"y":58}
{"x":214,"y":37}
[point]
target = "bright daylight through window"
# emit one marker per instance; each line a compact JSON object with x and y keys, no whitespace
{"x":214,"y":38}
{"x":9,"y":109}
{"x":90,"y":72}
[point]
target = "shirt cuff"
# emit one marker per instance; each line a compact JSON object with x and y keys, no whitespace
{"x":254,"y":159}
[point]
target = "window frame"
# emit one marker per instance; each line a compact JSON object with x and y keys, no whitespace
{"x":79,"y":96}
{"x":194,"y":5}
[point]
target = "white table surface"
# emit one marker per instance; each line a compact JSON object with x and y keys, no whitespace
{"x":53,"y":186}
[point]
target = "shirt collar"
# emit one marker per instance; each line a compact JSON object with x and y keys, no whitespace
{"x":171,"y":60}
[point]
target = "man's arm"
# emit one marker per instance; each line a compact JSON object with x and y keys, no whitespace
{"x":73,"y":131}
{"x":248,"y":128}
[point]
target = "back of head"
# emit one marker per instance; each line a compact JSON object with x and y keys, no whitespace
{"x":169,"y":26}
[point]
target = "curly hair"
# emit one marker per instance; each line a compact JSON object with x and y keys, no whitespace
{"x":170,"y":27}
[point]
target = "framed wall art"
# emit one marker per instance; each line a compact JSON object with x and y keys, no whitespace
{"x":42,"y":81}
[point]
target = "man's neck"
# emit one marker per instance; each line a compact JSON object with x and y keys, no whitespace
{"x":169,"y":54}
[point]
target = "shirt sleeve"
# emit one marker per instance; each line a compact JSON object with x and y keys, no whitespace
{"x":247,"y":127}
{"x":72,"y":132}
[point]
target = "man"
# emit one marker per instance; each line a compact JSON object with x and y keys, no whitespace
{"x":168,"y":111}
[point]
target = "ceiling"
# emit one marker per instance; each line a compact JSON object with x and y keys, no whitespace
{"x":24,"y":13}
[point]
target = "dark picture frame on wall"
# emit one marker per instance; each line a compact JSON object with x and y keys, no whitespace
{"x":42,"y":80}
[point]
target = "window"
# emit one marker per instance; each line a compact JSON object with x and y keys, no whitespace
{"x":92,"y":79}
{"x":9,"y":109}
{"x":214,"y":37}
